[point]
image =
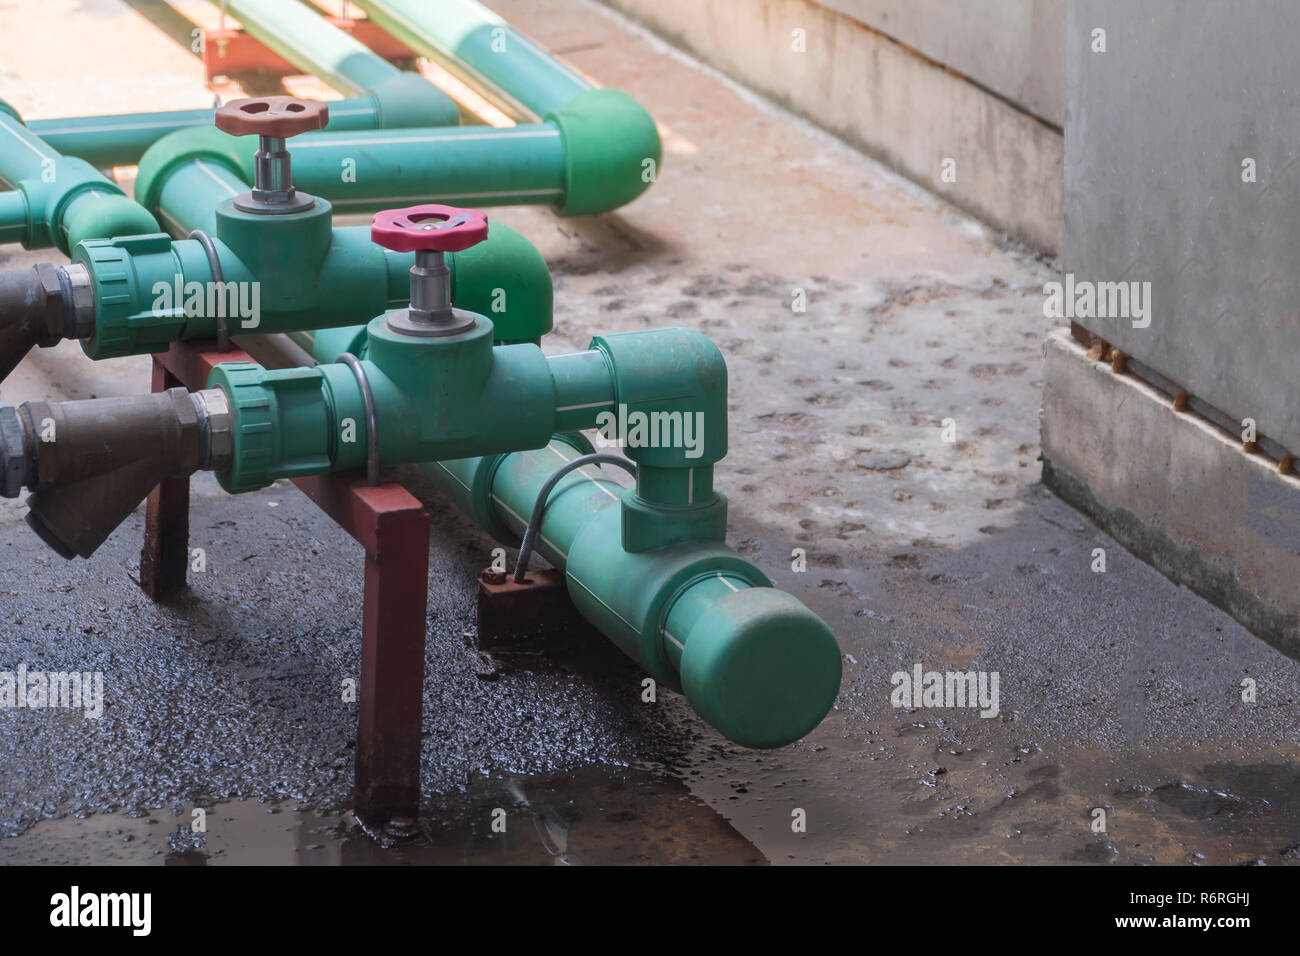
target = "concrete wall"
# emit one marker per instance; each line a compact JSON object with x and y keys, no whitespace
{"x":1015,"y":48}
{"x":1175,"y":490}
{"x":993,"y":110}
{"x":1158,"y":128}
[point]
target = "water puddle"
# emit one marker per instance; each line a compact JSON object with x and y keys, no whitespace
{"x":594,"y":815}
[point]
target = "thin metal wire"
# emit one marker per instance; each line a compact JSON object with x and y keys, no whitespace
{"x":539,"y":509}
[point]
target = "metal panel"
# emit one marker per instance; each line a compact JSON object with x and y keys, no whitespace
{"x":1157,"y":130}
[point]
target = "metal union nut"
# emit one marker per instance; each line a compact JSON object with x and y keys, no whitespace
{"x":13,"y":454}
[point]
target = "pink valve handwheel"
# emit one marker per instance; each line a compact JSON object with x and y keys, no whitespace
{"x":429,"y":228}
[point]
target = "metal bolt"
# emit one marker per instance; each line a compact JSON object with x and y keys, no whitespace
{"x":401,"y":828}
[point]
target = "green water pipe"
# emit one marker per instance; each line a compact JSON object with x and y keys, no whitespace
{"x":612,"y":150}
{"x":13,"y":216}
{"x":315,"y":46}
{"x":120,"y":140}
{"x":589,"y":159}
{"x":590,"y":162}
{"x":752,"y":661}
{"x":456,"y":395}
{"x":466,"y":166}
{"x":471,"y":38}
{"x":58,"y":200}
{"x":305,"y":273}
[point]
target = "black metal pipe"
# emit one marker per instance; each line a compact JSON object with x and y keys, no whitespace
{"x":27,"y":299}
{"x":92,"y":462}
{"x":42,"y":306}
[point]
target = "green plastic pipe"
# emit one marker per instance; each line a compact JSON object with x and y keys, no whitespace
{"x":753,"y":661}
{"x":307,"y":274}
{"x":465,"y":166}
{"x":476,"y":39}
{"x":611,"y":146}
{"x":13,"y":216}
{"x":308,"y":41}
{"x":120,"y":140}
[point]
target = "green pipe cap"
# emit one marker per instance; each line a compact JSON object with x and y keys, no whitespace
{"x":761,"y":667}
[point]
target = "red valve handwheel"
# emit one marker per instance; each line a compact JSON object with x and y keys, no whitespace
{"x":278,"y":116}
{"x":429,"y":228}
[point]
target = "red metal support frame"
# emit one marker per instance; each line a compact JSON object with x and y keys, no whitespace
{"x":227,"y":52}
{"x":393,"y":527}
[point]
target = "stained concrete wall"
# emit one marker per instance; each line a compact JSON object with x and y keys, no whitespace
{"x":913,"y":83}
{"x":1175,"y":490}
{"x":1159,"y":127}
{"x":1014,"y":48}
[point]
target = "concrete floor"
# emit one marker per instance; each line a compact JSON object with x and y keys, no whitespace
{"x":1118,"y":689}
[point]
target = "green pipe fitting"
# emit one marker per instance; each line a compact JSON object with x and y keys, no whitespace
{"x":660,"y":393}
{"x":312,"y":44}
{"x":204,"y":152}
{"x":408,"y":101}
{"x":453,"y":396}
{"x":612,"y":151}
{"x":65,"y":199}
{"x":753,"y":661}
{"x":434,"y":398}
{"x":671,"y":414}
{"x":505,"y":278}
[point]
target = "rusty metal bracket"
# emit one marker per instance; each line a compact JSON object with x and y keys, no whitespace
{"x":527,"y":617}
{"x":393,"y":527}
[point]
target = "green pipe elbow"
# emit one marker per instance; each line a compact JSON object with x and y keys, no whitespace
{"x":506,"y":279}
{"x":66,"y":198}
{"x":670,"y":414}
{"x":612,"y":151}
{"x":234,"y":153}
{"x":92,"y":216}
{"x":668,"y":372}
{"x":78,"y":203}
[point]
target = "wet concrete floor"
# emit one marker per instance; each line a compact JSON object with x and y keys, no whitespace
{"x":1120,"y":692}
